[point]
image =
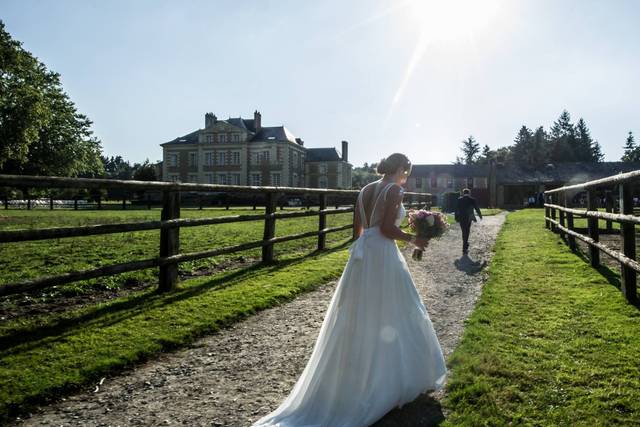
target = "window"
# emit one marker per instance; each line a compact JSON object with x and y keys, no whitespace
{"x":449,"y":182}
{"x":208,"y":158}
{"x":209,"y":138}
{"x":208,"y":178}
{"x":294,"y":158}
{"x":469,"y":183}
{"x":193,"y":159}
{"x":235,"y":179}
{"x":275,"y":179}
{"x":262,"y":157}
{"x":236,"y":137}
{"x":193,"y":178}
{"x":221,"y":158}
{"x":295,"y":179}
{"x":172,"y":160}
{"x":256,"y":179}
{"x":323,"y":168}
{"x":222,"y":138}
{"x":322,"y":182}
{"x":434,"y":181}
{"x":418,"y":182}
{"x":173,"y":178}
{"x":222,"y":179}
{"x":236,"y":157}
{"x":279,"y":155}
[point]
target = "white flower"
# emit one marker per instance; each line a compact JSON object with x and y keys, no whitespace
{"x":431,"y":220}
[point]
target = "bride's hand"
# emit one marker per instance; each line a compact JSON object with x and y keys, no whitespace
{"x":421,"y":242}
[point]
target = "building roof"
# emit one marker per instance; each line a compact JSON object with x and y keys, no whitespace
{"x":565,"y":173}
{"x":322,"y":155}
{"x":274,"y":133}
{"x":466,"y":171}
{"x":266,"y":133}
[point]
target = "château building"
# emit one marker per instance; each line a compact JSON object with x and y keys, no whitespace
{"x":241,"y":151}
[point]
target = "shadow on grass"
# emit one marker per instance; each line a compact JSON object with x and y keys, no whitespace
{"x":606,"y":272}
{"x":112,"y":313}
{"x":424,"y":411}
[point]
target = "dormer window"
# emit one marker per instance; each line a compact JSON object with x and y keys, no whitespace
{"x":222,"y":138}
{"x":236,"y":137}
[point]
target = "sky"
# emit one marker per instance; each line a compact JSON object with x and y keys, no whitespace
{"x":414,"y":76}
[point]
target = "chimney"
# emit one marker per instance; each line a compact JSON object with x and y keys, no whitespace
{"x":257,"y":120}
{"x":209,"y":120}
{"x":345,"y":151}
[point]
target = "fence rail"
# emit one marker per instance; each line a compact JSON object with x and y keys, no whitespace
{"x":560,"y":216}
{"x":170,"y":224}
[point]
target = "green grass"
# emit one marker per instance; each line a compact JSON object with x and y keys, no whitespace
{"x":551,"y":342}
{"x":28,"y":260}
{"x":47,"y":355}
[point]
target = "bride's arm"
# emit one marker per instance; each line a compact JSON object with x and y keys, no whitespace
{"x":391,"y":206}
{"x":357,"y":221}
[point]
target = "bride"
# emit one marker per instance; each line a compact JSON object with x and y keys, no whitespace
{"x":376,"y":349}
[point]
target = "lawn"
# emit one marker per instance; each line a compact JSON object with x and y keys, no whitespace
{"x":27,"y":260}
{"x":552,"y":342}
{"x":50,"y":355}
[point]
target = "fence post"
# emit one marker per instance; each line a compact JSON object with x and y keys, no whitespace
{"x":51,"y":202}
{"x":124,"y":202}
{"x":547,"y":212}
{"x":322,"y":223}
{"x":592,"y":205}
{"x":75,"y":203}
{"x":609,"y":208}
{"x":99,"y":202}
{"x":553,"y":213}
{"x":6,"y":202}
{"x":570,"y":238}
{"x":561,"y":219}
{"x":169,"y":240}
{"x":628,"y":234}
{"x":28,"y":203}
{"x":269,"y":226}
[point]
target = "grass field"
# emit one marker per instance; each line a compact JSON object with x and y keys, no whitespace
{"x":46,"y":355}
{"x":552,"y":341}
{"x":26,"y":260}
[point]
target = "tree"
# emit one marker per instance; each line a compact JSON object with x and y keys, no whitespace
{"x":522,"y":150}
{"x":631,"y":150}
{"x":562,"y":139}
{"x":41,"y":132}
{"x":486,"y":155}
{"x":144,"y":172}
{"x":586,"y":149}
{"x":363,"y":175}
{"x":470,"y":150}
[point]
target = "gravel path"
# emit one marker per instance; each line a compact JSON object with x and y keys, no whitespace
{"x":234,"y":377}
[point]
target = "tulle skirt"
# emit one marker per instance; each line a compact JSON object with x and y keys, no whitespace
{"x":376,"y":349}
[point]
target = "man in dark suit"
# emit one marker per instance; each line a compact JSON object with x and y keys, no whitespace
{"x":465,"y":216}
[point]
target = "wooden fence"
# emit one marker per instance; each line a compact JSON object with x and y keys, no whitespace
{"x":560,"y":215}
{"x":170,"y":223}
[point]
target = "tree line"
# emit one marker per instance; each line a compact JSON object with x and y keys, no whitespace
{"x":564,"y":142}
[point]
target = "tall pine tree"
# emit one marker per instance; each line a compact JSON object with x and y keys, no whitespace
{"x":470,"y":150}
{"x":631,"y":150}
{"x":522,"y":150}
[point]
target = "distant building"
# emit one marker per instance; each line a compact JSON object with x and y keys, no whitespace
{"x":241,"y":151}
{"x":508,"y":186}
{"x":325,"y":168}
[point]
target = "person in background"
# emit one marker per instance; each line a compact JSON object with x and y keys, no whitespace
{"x":465,"y":215}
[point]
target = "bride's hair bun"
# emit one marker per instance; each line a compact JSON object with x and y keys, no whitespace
{"x":392,"y":163}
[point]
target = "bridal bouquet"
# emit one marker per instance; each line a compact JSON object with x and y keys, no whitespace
{"x":427,"y":224}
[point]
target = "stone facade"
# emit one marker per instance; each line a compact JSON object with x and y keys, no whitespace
{"x":242,"y":152}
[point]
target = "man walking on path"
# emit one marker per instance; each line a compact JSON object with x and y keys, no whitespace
{"x":465,"y":216}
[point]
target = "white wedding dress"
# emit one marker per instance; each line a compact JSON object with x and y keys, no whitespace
{"x":376,"y":349}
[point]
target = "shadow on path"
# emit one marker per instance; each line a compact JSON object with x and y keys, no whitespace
{"x":424,"y":411}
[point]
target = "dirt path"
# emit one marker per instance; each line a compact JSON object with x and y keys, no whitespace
{"x":234,"y":377}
